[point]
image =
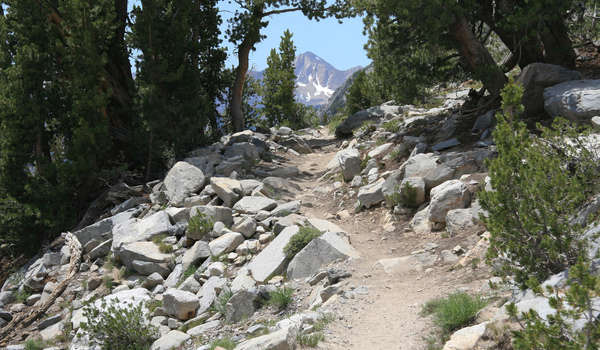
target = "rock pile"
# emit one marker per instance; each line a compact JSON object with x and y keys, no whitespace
{"x":207,"y":248}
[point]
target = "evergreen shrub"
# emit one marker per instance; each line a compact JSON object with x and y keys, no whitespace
{"x":200,"y":224}
{"x":300,"y":240}
{"x":118,"y":327}
{"x":539,"y":186}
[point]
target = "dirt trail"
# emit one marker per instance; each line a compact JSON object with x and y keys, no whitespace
{"x":388,"y":316}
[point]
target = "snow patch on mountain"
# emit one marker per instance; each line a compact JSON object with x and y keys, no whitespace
{"x":316,"y":79}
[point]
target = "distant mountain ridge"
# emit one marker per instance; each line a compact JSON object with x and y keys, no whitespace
{"x":316,"y":80}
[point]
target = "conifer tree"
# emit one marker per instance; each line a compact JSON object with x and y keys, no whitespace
{"x":538,"y":187}
{"x":55,"y":115}
{"x":363,"y":93}
{"x":279,"y":85}
{"x":178,"y":74}
{"x":244,"y":33}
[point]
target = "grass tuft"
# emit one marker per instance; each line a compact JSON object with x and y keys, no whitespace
{"x":453,"y":311}
{"x":280,"y":297}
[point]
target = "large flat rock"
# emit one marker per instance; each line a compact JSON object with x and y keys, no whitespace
{"x":135,"y":230}
{"x":272,"y":259}
{"x":253,"y":204}
{"x":576,"y":100}
{"x":320,"y":252}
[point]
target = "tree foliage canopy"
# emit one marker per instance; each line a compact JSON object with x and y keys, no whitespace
{"x":74,"y":120}
{"x":421,"y":43}
{"x":245,"y":32}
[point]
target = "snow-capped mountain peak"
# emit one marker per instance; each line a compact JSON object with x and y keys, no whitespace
{"x":317,"y":79}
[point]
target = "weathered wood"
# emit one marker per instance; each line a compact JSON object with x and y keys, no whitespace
{"x":24,"y":320}
{"x":107,"y":200}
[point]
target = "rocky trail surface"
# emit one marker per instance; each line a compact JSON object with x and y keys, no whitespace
{"x":386,"y":315}
{"x":204,"y":251}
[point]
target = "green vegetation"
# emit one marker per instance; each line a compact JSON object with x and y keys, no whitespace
{"x":158,"y":239}
{"x":36,"y":344}
{"x":108,"y":282}
{"x":226,"y":343}
{"x":189,"y":272}
{"x":200,"y":224}
{"x":363,"y":93}
{"x":278,"y":89}
{"x":70,"y":105}
{"x":415,"y":45}
{"x":453,"y":311}
{"x":21,"y":295}
{"x":153,"y":305}
{"x":244,"y":33}
{"x":300,"y":240}
{"x":334,"y":121}
{"x":559,"y":331}
{"x":310,"y":340}
{"x":366,"y":128}
{"x":191,"y":324}
{"x":179,"y":75}
{"x":323,"y":321}
{"x":165,"y":248}
{"x":392,"y":125}
{"x":535,"y":196}
{"x":403,"y":197}
{"x":118,"y":327}
{"x":281,"y":297}
{"x":222,"y":299}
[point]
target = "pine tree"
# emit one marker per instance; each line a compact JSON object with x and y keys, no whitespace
{"x":362,"y":94}
{"x":278,"y":92}
{"x":538,"y":187}
{"x":55,"y":115}
{"x":244,"y":33}
{"x":178,"y":74}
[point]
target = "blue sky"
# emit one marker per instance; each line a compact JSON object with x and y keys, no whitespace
{"x":341,"y":45}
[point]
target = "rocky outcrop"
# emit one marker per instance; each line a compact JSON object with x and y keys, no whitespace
{"x":577,"y":100}
{"x":208,"y":283}
{"x":535,"y":78}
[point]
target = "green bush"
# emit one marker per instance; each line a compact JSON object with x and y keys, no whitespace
{"x":281,"y":297}
{"x":226,"y":343}
{"x":334,"y":122}
{"x":454,"y":311}
{"x":300,"y":240}
{"x":200,"y":224}
{"x":189,"y":272}
{"x":21,"y":295}
{"x":403,"y":197}
{"x":575,"y":306}
{"x":392,"y":125}
{"x":108,"y":282}
{"x":158,"y":239}
{"x":118,"y":327}
{"x":34,"y":344}
{"x":540,"y":185}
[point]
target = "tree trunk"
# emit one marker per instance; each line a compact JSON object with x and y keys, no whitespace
{"x":120,"y":79}
{"x":237,"y":117}
{"x":558,"y":48}
{"x":478,"y":56}
{"x":525,"y":48}
{"x":251,"y":37}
